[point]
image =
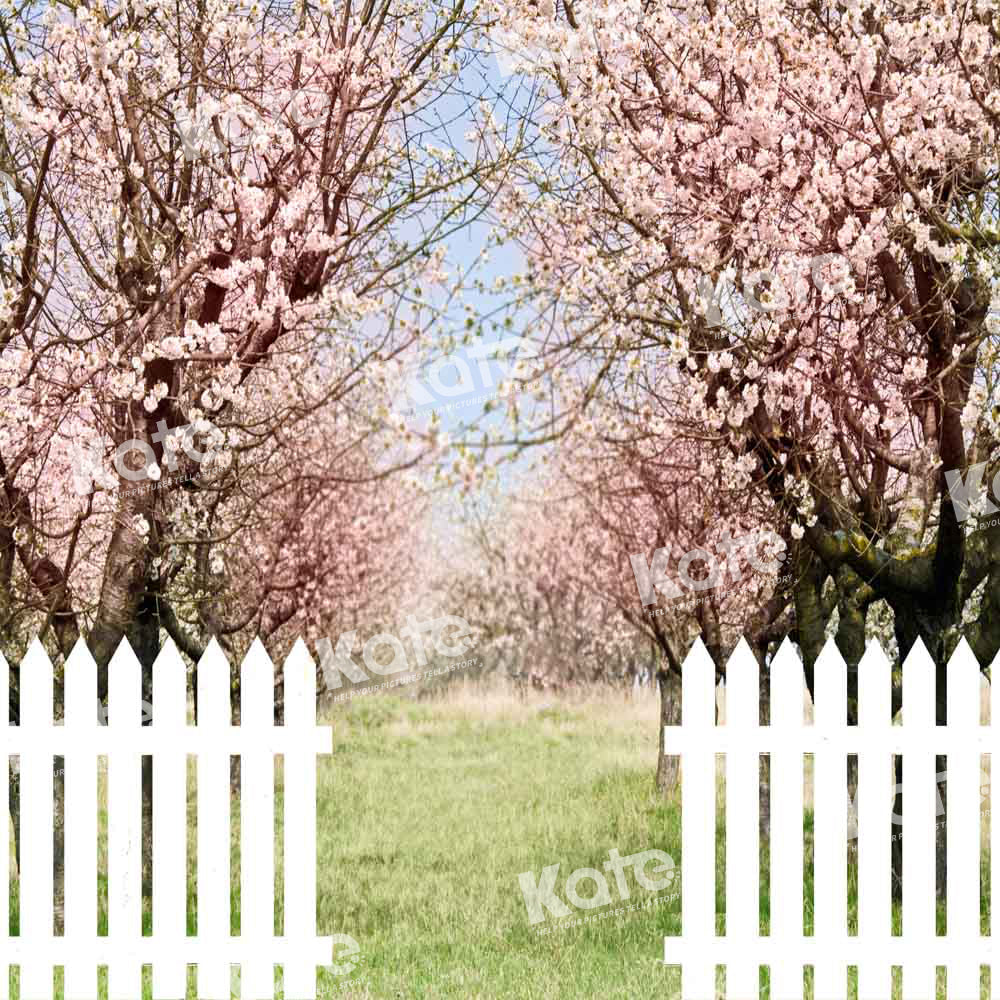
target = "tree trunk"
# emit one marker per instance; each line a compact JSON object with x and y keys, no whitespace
{"x":667,"y":765}
{"x":14,"y":788}
{"x":14,"y":805}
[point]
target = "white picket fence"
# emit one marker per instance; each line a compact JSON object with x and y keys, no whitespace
{"x":830,"y":949}
{"x":82,"y":737}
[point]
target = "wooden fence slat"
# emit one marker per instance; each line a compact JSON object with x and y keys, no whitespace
{"x":787,"y":703}
{"x":697,"y":827}
{"x":300,"y":820}
{"x":257,"y":824}
{"x":919,"y":825}
{"x":830,"y":842}
{"x":874,"y":806}
{"x":743,"y":823}
{"x":170,"y":822}
{"x":994,"y":928}
{"x":5,"y":873}
{"x":964,"y":822}
{"x":125,"y":828}
{"x":36,"y":822}
{"x":80,"y":825}
{"x":214,"y":712}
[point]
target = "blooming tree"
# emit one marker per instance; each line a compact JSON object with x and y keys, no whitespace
{"x":782,"y":219}
{"x":837,"y":164}
{"x":211,"y":213}
{"x":528,"y":579}
{"x":210,"y":218}
{"x":644,"y":536}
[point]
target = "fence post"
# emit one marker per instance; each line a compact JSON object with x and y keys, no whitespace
{"x":920,"y":824}
{"x":697,"y":823}
{"x":787,"y":703}
{"x":964,"y":824}
{"x":214,"y":715}
{"x":125,"y":827}
{"x":874,"y":811}
{"x":300,"y":821}
{"x":36,"y":821}
{"x":80,"y":824}
{"x":170,"y":822}
{"x":257,"y":825}
{"x":830,"y":820}
{"x":743,"y":824}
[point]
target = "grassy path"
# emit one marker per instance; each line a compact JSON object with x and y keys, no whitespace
{"x":428,"y":814}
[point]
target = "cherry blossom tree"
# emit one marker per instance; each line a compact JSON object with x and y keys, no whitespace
{"x":630,"y":526}
{"x":525,"y":573}
{"x":208,"y":221}
{"x":784,"y":220}
{"x":676,"y":561}
{"x":211,"y":214}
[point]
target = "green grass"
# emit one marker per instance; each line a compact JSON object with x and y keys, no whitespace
{"x":427,"y":812}
{"x":427,"y":818}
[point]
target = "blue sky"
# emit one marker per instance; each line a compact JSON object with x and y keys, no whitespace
{"x":492,"y":312}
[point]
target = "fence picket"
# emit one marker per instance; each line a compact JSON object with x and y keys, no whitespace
{"x":697,"y":824}
{"x":214,"y":712}
{"x":743,"y":825}
{"x":994,"y":832}
{"x":300,"y":822}
{"x":257,"y":825}
{"x":787,"y":703}
{"x":80,"y":823}
{"x":919,"y":825}
{"x":5,"y":873}
{"x":829,"y":820}
{"x":170,"y":821}
{"x":963,"y":819}
{"x":36,"y":822}
{"x":874,"y":806}
{"x":125,"y":831}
